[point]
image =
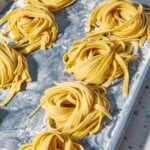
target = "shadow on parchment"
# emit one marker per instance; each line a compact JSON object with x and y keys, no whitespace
{"x":3,"y":114}
{"x":33,"y":67}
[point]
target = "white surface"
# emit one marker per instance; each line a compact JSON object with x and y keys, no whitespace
{"x":137,"y":136}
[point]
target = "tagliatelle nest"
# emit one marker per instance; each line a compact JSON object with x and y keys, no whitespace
{"x":100,"y":60}
{"x":13,"y":71}
{"x":32,"y":27}
{"x":120,"y":18}
{"x":53,"y":5}
{"x":52,"y":140}
{"x":75,"y":108}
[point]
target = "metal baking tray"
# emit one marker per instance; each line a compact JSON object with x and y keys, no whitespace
{"x":46,"y":67}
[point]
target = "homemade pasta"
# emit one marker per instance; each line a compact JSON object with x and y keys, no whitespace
{"x":53,"y":5}
{"x":32,"y":27}
{"x":120,"y":18}
{"x":100,"y":60}
{"x":52,"y":140}
{"x":13,"y":71}
{"x":75,"y":108}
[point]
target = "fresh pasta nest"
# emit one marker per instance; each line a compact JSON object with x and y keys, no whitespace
{"x":32,"y":27}
{"x":52,"y":140}
{"x":13,"y":71}
{"x":75,"y":108}
{"x":120,"y":18}
{"x":53,"y":5}
{"x":100,"y":60}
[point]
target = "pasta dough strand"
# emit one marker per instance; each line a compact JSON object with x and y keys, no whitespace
{"x":52,"y":140}
{"x":100,"y":60}
{"x":112,"y":18}
{"x":75,"y":108}
{"x":32,"y":27}
{"x":53,"y":5}
{"x":13,"y":71}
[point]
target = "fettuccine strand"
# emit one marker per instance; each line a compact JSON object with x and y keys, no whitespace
{"x":13,"y":71}
{"x":53,"y":5}
{"x":75,"y":108}
{"x":100,"y":60}
{"x":52,"y":140}
{"x":32,"y":27}
{"x":120,"y":18}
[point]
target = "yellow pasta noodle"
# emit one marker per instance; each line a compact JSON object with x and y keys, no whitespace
{"x":75,"y":108}
{"x":120,"y":18}
{"x":53,"y":5}
{"x":32,"y":27}
{"x":100,"y":60}
{"x":52,"y":140}
{"x":13,"y":71}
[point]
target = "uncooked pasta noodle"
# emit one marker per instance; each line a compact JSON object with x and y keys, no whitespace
{"x":100,"y":60}
{"x":75,"y":108}
{"x":120,"y":18}
{"x":31,"y":27}
{"x":53,"y":5}
{"x":13,"y":71}
{"x":52,"y":140}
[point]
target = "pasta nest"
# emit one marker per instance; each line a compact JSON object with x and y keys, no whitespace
{"x":52,"y":140}
{"x":75,"y":108}
{"x":120,"y":18}
{"x":13,"y":71}
{"x":31,"y":27}
{"x":100,"y":60}
{"x":53,"y":5}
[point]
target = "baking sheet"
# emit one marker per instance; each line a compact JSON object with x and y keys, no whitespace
{"x":46,"y":67}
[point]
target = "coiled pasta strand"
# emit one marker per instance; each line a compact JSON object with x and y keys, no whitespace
{"x":52,"y":140}
{"x":76,"y":108}
{"x":53,"y":5}
{"x":100,"y":60}
{"x":13,"y":71}
{"x":32,"y":27}
{"x":120,"y":18}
